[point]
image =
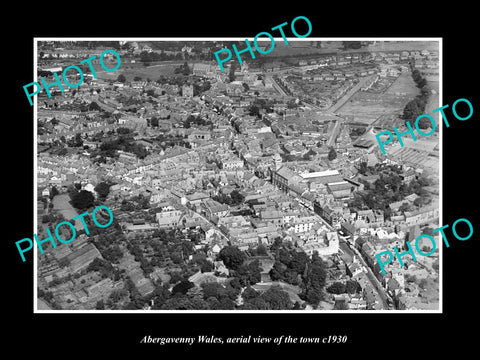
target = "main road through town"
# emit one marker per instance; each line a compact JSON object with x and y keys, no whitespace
{"x":371,"y":277}
{"x":375,"y":284}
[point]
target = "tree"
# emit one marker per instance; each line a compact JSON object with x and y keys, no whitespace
{"x":341,"y":305}
{"x":121,"y":78}
{"x":261,"y":250}
{"x":249,"y":293}
{"x":298,"y":262}
{"x":182,"y":287}
{"x":102,"y":189}
{"x":154,"y":121}
{"x":336,"y":288}
{"x":53,"y":192}
{"x":254,"y":110}
{"x":363,"y":168}
{"x":313,"y":296}
{"x":352,"y":45}
{"x":123,"y":131}
{"x":63,"y":262}
{"x":427,"y":230}
{"x":332,"y":154}
{"x":236,"y":197}
{"x":351,"y":286}
{"x":78,"y":140}
{"x":314,"y":280}
{"x":232,"y":257}
{"x":277,"y":271}
{"x":83,"y":200}
{"x":214,"y":290}
{"x":231,"y":74}
{"x":249,"y":274}
{"x":277,"y":299}
{"x":183,"y":69}
{"x":423,"y":123}
{"x":137,"y":78}
{"x":94,"y":106}
{"x":100,"y":305}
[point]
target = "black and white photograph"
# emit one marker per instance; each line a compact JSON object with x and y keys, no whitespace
{"x":214,"y":180}
{"x":259,"y":188}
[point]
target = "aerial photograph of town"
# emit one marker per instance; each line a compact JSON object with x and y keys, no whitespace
{"x":260,"y":188}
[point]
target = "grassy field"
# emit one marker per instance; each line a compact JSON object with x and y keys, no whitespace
{"x":404,"y":85}
{"x":433,"y":102}
{"x":368,"y":106}
{"x":130,"y":71}
{"x":331,"y":47}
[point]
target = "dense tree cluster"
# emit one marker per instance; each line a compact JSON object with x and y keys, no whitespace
{"x":200,"y":87}
{"x":138,"y":202}
{"x":357,"y":131}
{"x":183,"y":69}
{"x":105,"y":269}
{"x":332,"y":154}
{"x":109,"y":148}
{"x":233,"y":199}
{"x":53,"y":192}
{"x":297,"y":268}
{"x":351,"y":287}
{"x":249,"y":273}
{"x":416,"y":107}
{"x":390,"y":188}
{"x":147,"y":57}
{"x":232,"y":257}
{"x":196,"y":120}
{"x":181,"y":294}
{"x":352,"y":45}
{"x":103,"y":189}
{"x":106,"y":240}
{"x":273,"y":299}
{"x":82,"y":199}
{"x":169,"y":141}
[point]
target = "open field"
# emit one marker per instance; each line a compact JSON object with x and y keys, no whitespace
{"x":434,"y":102}
{"x":403,"y":45}
{"x":404,"y":85}
{"x":61,"y":203}
{"x":130,"y":71}
{"x":368,"y":106}
{"x":296,"y":47}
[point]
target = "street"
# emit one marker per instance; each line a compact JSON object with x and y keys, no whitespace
{"x":371,"y":277}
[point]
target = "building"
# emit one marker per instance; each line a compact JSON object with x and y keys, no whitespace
{"x":231,"y":164}
{"x":187,"y":90}
{"x":407,"y":176}
{"x":302,"y":224}
{"x":340,"y":190}
{"x":284,"y":177}
{"x":214,"y":209}
{"x":168,"y":218}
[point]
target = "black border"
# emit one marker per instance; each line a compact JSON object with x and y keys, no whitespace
{"x":371,"y":334}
